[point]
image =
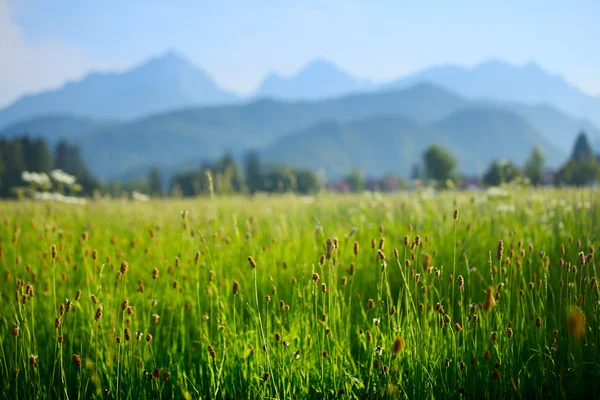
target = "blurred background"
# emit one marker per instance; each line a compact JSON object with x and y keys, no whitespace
{"x":168,"y":98}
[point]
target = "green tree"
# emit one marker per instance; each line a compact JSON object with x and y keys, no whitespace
{"x":582,"y":168}
{"x":582,"y":149}
{"x":14,"y":165}
{"x":500,"y":172}
{"x":534,"y":166}
{"x":439,"y":163}
{"x":155,"y":182}
{"x":254,"y":178}
{"x":355,"y":180}
{"x":69,"y":159}
{"x":306,"y":181}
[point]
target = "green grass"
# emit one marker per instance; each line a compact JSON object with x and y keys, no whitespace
{"x":191,"y":305}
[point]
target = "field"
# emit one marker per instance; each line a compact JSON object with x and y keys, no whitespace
{"x":336,"y":296}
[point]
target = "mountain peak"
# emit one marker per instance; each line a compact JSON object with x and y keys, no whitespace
{"x":318,"y":79}
{"x":321,"y":65}
{"x":168,"y":60}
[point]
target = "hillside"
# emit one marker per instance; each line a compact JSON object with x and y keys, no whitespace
{"x":54,"y":127}
{"x":491,"y":133}
{"x":390,"y":143}
{"x":204,"y":133}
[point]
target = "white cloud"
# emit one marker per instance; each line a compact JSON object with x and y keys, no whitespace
{"x":30,"y":66}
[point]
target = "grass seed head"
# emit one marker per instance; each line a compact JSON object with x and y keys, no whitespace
{"x":212,"y":351}
{"x":490,"y":301}
{"x":124,"y":267}
{"x":370,"y":304}
{"x":356,"y":248}
{"x":576,"y":323}
{"x":500,"y":250}
{"x":581,"y":258}
{"x":399,"y":344}
{"x":98,"y":315}
{"x":77,"y":360}
{"x":236,"y":287}
{"x":251,"y":262}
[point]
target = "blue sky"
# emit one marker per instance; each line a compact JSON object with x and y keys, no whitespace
{"x":45,"y":43}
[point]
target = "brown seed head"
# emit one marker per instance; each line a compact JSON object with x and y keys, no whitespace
{"x":124,"y":267}
{"x":500,"y":250}
{"x":54,"y":252}
{"x":212,"y":351}
{"x":356,"y":248}
{"x":581,"y":258}
{"x":77,"y":360}
{"x":399,"y":345}
{"x":576,"y":323}
{"x":370,"y":304}
{"x":490,"y":302}
{"x":99,"y":313}
{"x":251,"y":262}
{"x":236,"y":287}
{"x":456,"y":212}
{"x":315,"y":277}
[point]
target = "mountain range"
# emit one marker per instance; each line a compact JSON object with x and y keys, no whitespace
{"x":168,"y":112}
{"x":163,"y":83}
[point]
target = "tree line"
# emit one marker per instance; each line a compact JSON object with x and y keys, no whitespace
{"x":21,"y":154}
{"x":581,"y":168}
{"x":226,"y":176}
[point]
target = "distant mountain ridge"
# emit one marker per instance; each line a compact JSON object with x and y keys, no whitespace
{"x":389,"y":143}
{"x":500,"y":81}
{"x":169,"y":82}
{"x":160,"y":84}
{"x":406,"y":120}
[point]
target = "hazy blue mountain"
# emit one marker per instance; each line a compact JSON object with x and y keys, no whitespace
{"x":161,"y":84}
{"x":492,"y":133}
{"x":500,"y":81}
{"x":53,"y":127}
{"x":318,"y":80}
{"x":205,"y":132}
{"x":554,"y":125}
{"x":332,"y":133}
{"x":392,"y":143}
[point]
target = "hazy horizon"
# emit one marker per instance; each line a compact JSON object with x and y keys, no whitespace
{"x":51,"y":44}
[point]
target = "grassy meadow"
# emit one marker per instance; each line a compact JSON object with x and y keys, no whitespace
{"x":337,"y":296}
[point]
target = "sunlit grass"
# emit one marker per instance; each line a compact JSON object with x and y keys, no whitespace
{"x":334,"y":296}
